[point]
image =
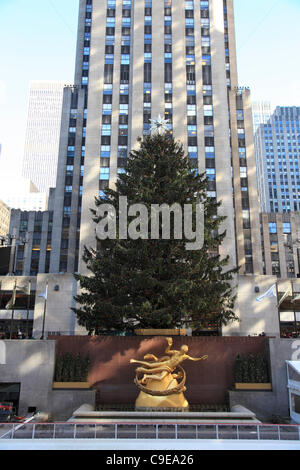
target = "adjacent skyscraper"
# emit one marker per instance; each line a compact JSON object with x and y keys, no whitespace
{"x":42,"y":134}
{"x":262,"y":112}
{"x":278,"y":158}
{"x":21,"y":193}
{"x":137,"y":59}
{"x":4,"y":219}
{"x":281,"y":244}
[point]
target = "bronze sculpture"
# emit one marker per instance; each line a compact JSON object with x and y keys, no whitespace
{"x":163,"y":381}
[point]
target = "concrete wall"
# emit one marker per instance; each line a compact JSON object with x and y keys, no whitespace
{"x":58,"y":314}
{"x":32,"y":363}
{"x":64,"y":402}
{"x":255,"y":317}
{"x":59,"y":317}
{"x":266,"y":404}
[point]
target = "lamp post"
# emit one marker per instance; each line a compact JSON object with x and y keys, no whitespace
{"x":44,"y":296}
{"x":13,"y":311}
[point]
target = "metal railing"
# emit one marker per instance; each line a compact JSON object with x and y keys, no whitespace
{"x":150,"y":431}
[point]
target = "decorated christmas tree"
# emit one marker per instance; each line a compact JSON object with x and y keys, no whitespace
{"x":141,"y":280}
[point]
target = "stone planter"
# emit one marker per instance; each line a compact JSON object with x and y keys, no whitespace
{"x":253,"y":386}
{"x":71,"y":385}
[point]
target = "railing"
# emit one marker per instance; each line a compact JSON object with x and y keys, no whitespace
{"x":149,"y":431}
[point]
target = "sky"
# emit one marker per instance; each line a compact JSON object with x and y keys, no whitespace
{"x":268,"y":40}
{"x":38,"y":42}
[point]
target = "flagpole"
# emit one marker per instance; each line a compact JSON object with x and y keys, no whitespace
{"x":294,"y":307}
{"x":278,"y":308}
{"x":44,"y":316}
{"x":12,"y":313}
{"x":28,"y":306}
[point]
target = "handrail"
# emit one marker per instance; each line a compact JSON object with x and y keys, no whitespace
{"x":239,"y":430}
{"x":14,"y":429}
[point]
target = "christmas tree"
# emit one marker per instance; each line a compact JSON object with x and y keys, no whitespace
{"x":141,"y":281}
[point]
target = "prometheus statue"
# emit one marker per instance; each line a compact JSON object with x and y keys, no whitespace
{"x":161,"y":381}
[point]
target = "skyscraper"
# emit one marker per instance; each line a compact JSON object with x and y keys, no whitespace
{"x":277,"y":156}
{"x":137,"y":59}
{"x":261,"y":113}
{"x":4,"y":219}
{"x":42,"y":133}
{"x":21,"y":193}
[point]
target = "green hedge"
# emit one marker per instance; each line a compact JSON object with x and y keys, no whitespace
{"x":250,"y":368}
{"x":71,"y":367}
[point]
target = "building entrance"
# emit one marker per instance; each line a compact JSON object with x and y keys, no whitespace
{"x":10,"y":393}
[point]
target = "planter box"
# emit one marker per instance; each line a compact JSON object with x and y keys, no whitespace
{"x":253,"y":386}
{"x":149,"y":332}
{"x":71,"y":385}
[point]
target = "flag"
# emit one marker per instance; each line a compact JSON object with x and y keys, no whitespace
{"x":285,"y":295}
{"x":270,"y":293}
{"x":296,"y":298}
{"x":12,"y":301}
{"x":45,"y":293}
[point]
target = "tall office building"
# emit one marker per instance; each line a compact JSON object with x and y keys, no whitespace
{"x":42,"y":133}
{"x":262,"y":112}
{"x":137,"y":59}
{"x":278,"y":158}
{"x":21,"y":193}
{"x":4,"y":219}
{"x":281,"y":244}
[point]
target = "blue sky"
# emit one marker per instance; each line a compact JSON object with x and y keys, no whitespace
{"x":268,"y":40}
{"x":38,"y":41}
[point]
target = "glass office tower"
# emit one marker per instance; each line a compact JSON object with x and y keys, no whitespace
{"x":278,"y":158}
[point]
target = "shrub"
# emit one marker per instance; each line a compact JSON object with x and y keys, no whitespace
{"x":59,"y":368}
{"x":71,"y":368}
{"x":251,"y":369}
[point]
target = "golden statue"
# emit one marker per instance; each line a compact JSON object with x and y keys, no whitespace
{"x":163,"y":381}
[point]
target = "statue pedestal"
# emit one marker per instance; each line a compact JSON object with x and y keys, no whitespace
{"x":172,"y":401}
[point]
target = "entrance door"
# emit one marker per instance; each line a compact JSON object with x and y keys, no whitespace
{"x":10,"y":392}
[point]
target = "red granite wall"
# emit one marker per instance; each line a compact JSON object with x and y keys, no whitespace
{"x":112,"y":374}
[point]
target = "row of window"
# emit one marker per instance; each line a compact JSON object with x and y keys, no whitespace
{"x":71,"y":146}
